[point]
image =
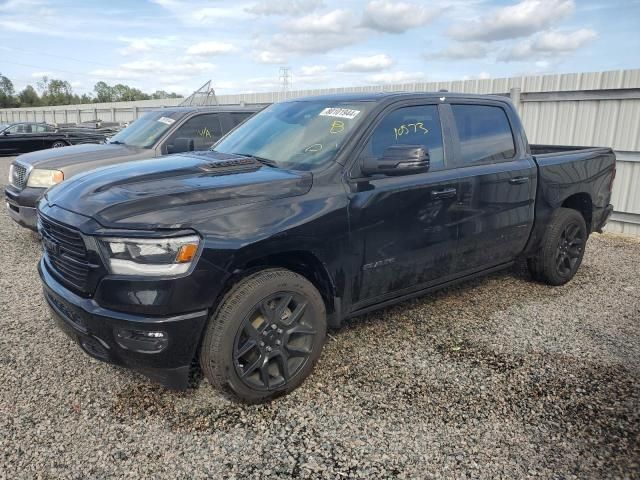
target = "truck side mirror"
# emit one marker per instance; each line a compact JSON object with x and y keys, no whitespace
{"x":180,"y":145}
{"x":398,"y":160}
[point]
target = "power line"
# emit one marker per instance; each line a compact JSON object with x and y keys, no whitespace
{"x":54,"y":55}
{"x":68,"y":71}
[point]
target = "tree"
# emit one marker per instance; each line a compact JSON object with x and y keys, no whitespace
{"x":7,"y":99}
{"x":55,"y":92}
{"x":161,"y":95}
{"x":29,"y":97}
{"x":104,"y":93}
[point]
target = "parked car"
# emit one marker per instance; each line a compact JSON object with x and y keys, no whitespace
{"x":30,"y":136}
{"x":157,"y":133}
{"x":311,"y":212}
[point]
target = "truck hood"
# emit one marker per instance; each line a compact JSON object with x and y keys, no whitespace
{"x":74,"y":156}
{"x":162,"y":192}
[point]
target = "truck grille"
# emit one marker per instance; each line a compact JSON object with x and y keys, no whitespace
{"x":18,"y":176}
{"x":66,"y":252}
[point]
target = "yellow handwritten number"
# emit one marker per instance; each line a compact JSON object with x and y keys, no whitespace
{"x":406,"y":129}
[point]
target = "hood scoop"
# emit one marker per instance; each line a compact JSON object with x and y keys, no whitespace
{"x":234,"y":164}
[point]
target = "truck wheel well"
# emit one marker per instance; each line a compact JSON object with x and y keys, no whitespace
{"x":301,"y":262}
{"x":582,"y":203}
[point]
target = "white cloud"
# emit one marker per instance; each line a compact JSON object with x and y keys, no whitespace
{"x":266,"y":56}
{"x":39,"y":75}
{"x":397,"y":77}
{"x":313,"y":33}
{"x":548,"y":44}
{"x":310,"y":70}
{"x":335,"y":21}
{"x":165,"y":72}
{"x":198,"y":13}
{"x":136,"y":46}
{"x":204,"y":49}
{"x":278,"y":7}
{"x":373,"y":63}
{"x":461,"y":51}
{"x":514,"y":21}
{"x":397,"y":17}
{"x":564,"y":42}
{"x":284,"y":44}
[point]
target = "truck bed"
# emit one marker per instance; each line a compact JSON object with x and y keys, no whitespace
{"x":542,"y":151}
{"x":575,"y":177}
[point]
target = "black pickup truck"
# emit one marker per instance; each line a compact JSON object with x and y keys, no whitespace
{"x":165,"y":131}
{"x":237,"y":259}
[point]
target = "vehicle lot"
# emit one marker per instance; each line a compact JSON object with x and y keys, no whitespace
{"x":497,"y":377}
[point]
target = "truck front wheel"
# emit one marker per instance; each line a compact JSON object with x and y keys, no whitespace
{"x":265,"y":336}
{"x":562,"y":248}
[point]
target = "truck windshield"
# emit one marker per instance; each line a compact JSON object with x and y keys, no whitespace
{"x":146,"y":131}
{"x":301,"y":135}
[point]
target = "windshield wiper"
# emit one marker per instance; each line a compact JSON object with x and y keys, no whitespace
{"x":116,"y":142}
{"x":264,"y":161}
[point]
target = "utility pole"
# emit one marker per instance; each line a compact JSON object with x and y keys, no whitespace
{"x":285,"y":80}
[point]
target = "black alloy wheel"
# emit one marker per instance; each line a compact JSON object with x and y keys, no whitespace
{"x":561,"y":249}
{"x":274,"y":341}
{"x":570,"y":247}
{"x":265,"y":336}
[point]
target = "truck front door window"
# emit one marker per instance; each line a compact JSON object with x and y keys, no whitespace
{"x":409,"y":126}
{"x":205,"y":130}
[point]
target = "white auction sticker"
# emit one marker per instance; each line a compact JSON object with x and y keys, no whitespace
{"x":339,"y":112}
{"x":166,"y":120}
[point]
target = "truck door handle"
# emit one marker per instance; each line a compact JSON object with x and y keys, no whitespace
{"x":518,"y":180}
{"x":446,"y":193}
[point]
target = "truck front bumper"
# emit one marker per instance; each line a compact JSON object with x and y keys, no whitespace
{"x":21,"y":205}
{"x":161,"y":348}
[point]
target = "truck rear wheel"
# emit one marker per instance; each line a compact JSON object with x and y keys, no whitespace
{"x":562,"y":248}
{"x":265,"y":336}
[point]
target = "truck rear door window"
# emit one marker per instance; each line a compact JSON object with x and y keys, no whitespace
{"x":485,"y":134}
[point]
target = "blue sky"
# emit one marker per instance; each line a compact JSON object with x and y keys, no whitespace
{"x":177,"y":45}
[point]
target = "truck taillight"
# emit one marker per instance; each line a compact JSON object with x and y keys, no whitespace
{"x":613,"y":177}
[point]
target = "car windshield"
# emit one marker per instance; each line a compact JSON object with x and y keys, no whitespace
{"x":301,"y":135}
{"x":146,"y":131}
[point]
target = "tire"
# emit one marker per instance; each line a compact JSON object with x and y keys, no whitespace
{"x":562,"y":248}
{"x":265,"y":337}
{"x":59,"y":144}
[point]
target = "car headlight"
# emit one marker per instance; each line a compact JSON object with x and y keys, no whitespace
{"x":150,"y":256}
{"x":40,"y":177}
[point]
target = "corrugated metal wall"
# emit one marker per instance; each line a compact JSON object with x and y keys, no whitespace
{"x":589,"y":109}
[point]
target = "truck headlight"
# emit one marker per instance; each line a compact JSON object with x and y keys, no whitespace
{"x":40,"y":177}
{"x":150,"y":256}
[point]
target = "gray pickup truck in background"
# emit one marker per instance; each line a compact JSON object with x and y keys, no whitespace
{"x":170,"y":130}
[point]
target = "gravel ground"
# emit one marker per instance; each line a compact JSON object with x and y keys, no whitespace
{"x":499,"y":377}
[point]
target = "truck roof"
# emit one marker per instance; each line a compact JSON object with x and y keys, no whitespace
{"x":215,"y":108}
{"x":387,"y":96}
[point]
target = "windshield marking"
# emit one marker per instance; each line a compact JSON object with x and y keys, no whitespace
{"x":339,"y":112}
{"x":337,"y":126}
{"x":406,"y":129}
{"x":166,"y":120}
